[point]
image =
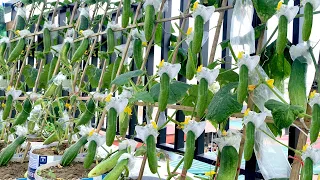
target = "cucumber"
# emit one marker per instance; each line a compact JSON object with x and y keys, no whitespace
{"x":23,"y":116}
{"x":52,"y":138}
{"x":189,"y":152}
{"x":191,"y":64}
{"x":138,"y":53}
{"x":84,"y":23}
{"x":63,"y":55}
{"x":249,"y":143}
{"x":111,"y":126}
{"x":282,"y":34}
{"x":228,"y":163}
{"x":91,"y":153}
{"x":80,"y":51}
{"x":307,"y":22}
{"x":198,"y":34}
{"x":117,"y":170}
{"x":124,"y":119}
{"x":16,"y":52}
{"x":297,"y":83}
{"x":88,"y":114}
{"x":152,"y":154}
{"x":7,"y":109}
{"x":106,"y":165}
{"x":51,"y":90}
{"x":111,"y":42}
{"x":51,"y":68}
{"x":149,"y":21}
{"x":315,"y":123}
{"x":126,"y":13}
{"x":71,"y":153}
{"x":3,"y":47}
{"x":20,"y":24}
{"x":307,"y":169}
{"x":202,"y":97}
{"x":242,"y":90}
{"x":115,"y":68}
{"x":7,"y":153}
{"x":46,"y":41}
{"x":164,"y":91}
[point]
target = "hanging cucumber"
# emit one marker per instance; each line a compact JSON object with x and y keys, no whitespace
{"x":3,"y":47}
{"x":164,"y":91}
{"x":7,"y":153}
{"x":52,"y":138}
{"x":202,"y":97}
{"x":84,"y":22}
{"x":46,"y":40}
{"x":7,"y":108}
{"x":88,"y":114}
{"x":189,"y":152}
{"x":228,"y":163}
{"x":111,"y":42}
{"x":138,"y":53}
{"x":106,"y":165}
{"x":307,"y":22}
{"x":63,"y":55}
{"x":149,"y":21}
{"x":242,"y":90}
{"x":23,"y":116}
{"x":111,"y":126}
{"x":152,"y":154}
{"x":17,"y":50}
{"x":126,"y":13}
{"x":249,"y":143}
{"x":80,"y":51}
{"x":124,"y":119}
{"x":282,"y":34}
{"x":115,"y":68}
{"x":315,"y":123}
{"x":51,"y":68}
{"x":21,"y":23}
{"x":191,"y":63}
{"x":307,"y":169}
{"x":198,"y":34}
{"x":51,"y":90}
{"x":71,"y":153}
{"x":91,"y":153}
{"x":117,"y":170}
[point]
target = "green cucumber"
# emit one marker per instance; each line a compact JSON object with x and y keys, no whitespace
{"x":52,"y":138}
{"x":91,"y":153}
{"x":63,"y":55}
{"x":111,"y":126}
{"x":111,"y":42}
{"x":202,"y":97}
{"x":124,"y":119}
{"x":88,"y":114}
{"x":228,"y":163}
{"x":198,"y":34}
{"x":23,"y":116}
{"x":315,"y":123}
{"x":80,"y":51}
{"x":106,"y":165}
{"x":115,"y":68}
{"x":7,"y":109}
{"x":164,"y":91}
{"x":3,"y":47}
{"x":51,"y":90}
{"x":307,"y":22}
{"x":149,"y":21}
{"x":71,"y":153}
{"x":242,"y":91}
{"x":52,"y":67}
{"x":191,"y":64}
{"x":282,"y":34}
{"x":152,"y":154}
{"x":138,"y":53}
{"x":46,"y":40}
{"x":7,"y":153}
{"x":17,"y":50}
{"x":189,"y":150}
{"x":307,"y":169}
{"x":84,"y":23}
{"x":126,"y":13}
{"x":21,"y":23}
{"x":249,"y":143}
{"x":117,"y":170}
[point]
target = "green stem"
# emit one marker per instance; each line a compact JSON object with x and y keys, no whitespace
{"x":169,"y":119}
{"x":232,"y":52}
{"x":268,"y":41}
{"x":175,"y":169}
{"x":315,"y":65}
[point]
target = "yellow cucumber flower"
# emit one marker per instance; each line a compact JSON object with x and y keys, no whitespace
{"x":224,"y":133}
{"x":91,"y":132}
{"x":246,"y":113}
{"x":8,"y":88}
{"x":189,"y":31}
{"x":108,"y":98}
{"x":251,"y":87}
{"x":154,"y":124}
{"x":270,"y":83}
{"x":195,"y":5}
{"x":161,"y":63}
{"x":240,"y":55}
{"x":3,"y":105}
{"x":199,"y":68}
{"x":68,"y":106}
{"x":279,"y":5}
{"x":304,"y":148}
{"x":144,"y":43}
{"x":128,"y":110}
{"x":210,"y":173}
{"x":312,"y":94}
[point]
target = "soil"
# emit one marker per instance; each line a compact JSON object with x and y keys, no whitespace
{"x":72,"y":172}
{"x":13,"y":170}
{"x":51,"y":150}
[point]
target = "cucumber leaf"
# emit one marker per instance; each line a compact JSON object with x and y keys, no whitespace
{"x":124,"y":78}
{"x":30,"y":75}
{"x":227,"y":76}
{"x":283,"y":114}
{"x":143,"y":96}
{"x":177,"y":91}
{"x":223,"y":104}
{"x":265,"y":8}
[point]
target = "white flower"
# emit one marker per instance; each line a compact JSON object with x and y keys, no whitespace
{"x":84,"y":130}
{"x":34,"y":96}
{"x":208,"y":74}
{"x":136,"y":34}
{"x":98,"y":138}
{"x":35,"y":113}
{"x":196,"y":127}
{"x":232,"y":138}
{"x":155,"y":3}
{"x":127,"y":93}
{"x":214,"y":88}
{"x":3,"y":83}
{"x":14,"y":93}
{"x":288,"y":11}
{"x":24,"y":33}
{"x":84,"y":12}
{"x":120,"y":50}
{"x":87,"y":33}
{"x":99,"y":96}
{"x":21,"y":130}
{"x":143,"y":132}
{"x":50,"y":26}
{"x":301,"y":49}
{"x":131,"y":160}
{"x":203,"y":11}
{"x":314,"y":99}
{"x":314,"y":3}
{"x":64,"y":119}
{"x":171,"y":69}
{"x":59,"y":79}
{"x":256,"y":118}
{"x":313,"y":154}
{"x":68,"y":40}
{"x":204,"y":39}
{"x":128,"y":143}
{"x":250,"y":61}
{"x":118,"y":104}
{"x":5,"y":40}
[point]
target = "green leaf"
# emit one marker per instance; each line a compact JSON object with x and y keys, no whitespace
{"x":191,"y":98}
{"x":43,"y":81}
{"x":273,"y":128}
{"x":144,"y":96}
{"x":124,"y":78}
{"x":223,"y":104}
{"x":30,"y":75}
{"x":265,"y":8}
{"x":227,"y":76}
{"x":141,"y":151}
{"x":18,"y":106}
{"x":82,"y":106}
{"x":93,"y":74}
{"x":177,"y":91}
{"x":283,"y":114}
